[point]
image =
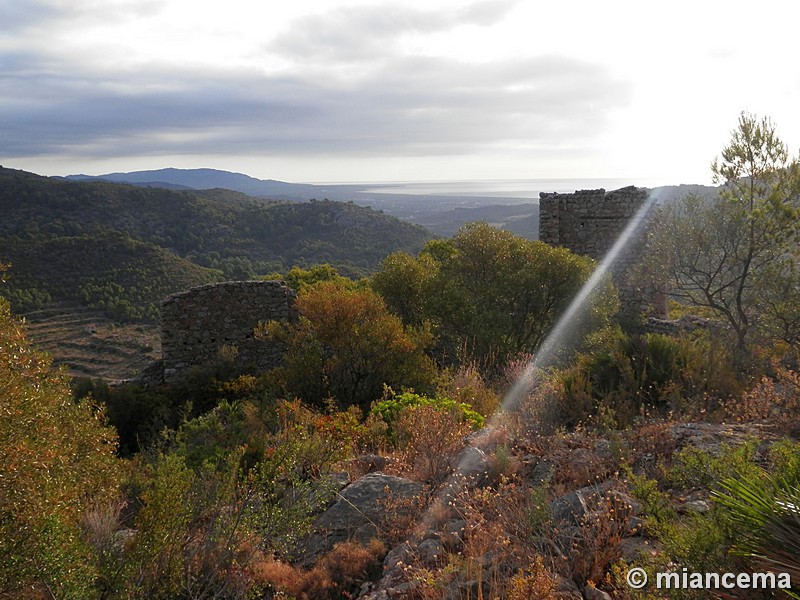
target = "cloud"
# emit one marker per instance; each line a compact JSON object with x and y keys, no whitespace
{"x":417,"y":106}
{"x":363,"y":33}
{"x":399,"y":105}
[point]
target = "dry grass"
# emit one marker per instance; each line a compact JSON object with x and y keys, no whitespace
{"x":338,"y":574}
{"x":432,"y":437}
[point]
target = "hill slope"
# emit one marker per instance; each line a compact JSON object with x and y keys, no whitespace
{"x":219,"y":229}
{"x":204,"y":179}
{"x":120,"y":249}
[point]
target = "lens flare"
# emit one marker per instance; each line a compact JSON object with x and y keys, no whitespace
{"x":558,"y":342}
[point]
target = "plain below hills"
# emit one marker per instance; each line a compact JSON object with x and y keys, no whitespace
{"x":441,"y":213}
{"x":437,"y":208}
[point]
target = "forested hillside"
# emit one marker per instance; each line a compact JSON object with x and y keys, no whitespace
{"x":123,"y":248}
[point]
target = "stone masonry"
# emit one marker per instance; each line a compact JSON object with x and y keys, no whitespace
{"x":589,"y":222}
{"x":197,"y":323}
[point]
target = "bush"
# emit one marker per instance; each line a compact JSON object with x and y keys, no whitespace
{"x":430,"y":438}
{"x":391,"y":409}
{"x":624,"y":376}
{"x":57,"y":459}
{"x":347,"y":346}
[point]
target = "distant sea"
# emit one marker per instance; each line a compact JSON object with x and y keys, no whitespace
{"x":501,"y":188}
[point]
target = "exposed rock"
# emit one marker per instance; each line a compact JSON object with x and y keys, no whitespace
{"x":357,"y":514}
{"x":684,"y":324}
{"x":370,"y":463}
{"x":566,"y":589}
{"x":711,"y":437}
{"x":574,"y":507}
{"x":430,"y":551}
{"x":694,"y":506}
{"x":635,"y":548}
{"x":592,"y":593}
{"x":452,"y":534}
{"x":473,"y":465}
{"x":542,"y":472}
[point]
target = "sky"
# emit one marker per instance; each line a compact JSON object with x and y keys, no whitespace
{"x":379,"y":90}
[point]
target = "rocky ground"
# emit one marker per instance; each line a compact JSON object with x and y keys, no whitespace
{"x":468,"y":535}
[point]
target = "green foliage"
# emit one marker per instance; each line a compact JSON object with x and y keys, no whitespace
{"x":347,"y":346}
{"x":765,"y":507}
{"x":621,"y":375}
{"x":299,"y":278}
{"x":392,"y":408}
{"x":57,"y":458}
{"x":735,"y":254}
{"x":124,"y":248}
{"x":712,"y":541}
{"x":283,"y":495}
{"x":695,"y":468}
{"x":125,"y":278}
{"x":655,"y":504}
{"x":700,"y":542}
{"x":488,"y":293}
{"x":155,"y":561}
{"x":200,"y":529}
{"x":138,"y":414}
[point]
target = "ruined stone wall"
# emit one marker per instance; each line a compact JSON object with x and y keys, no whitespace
{"x":196,"y":323}
{"x":589,"y":222}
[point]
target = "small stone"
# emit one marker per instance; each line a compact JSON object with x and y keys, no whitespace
{"x":694,"y":506}
{"x":430,"y":551}
{"x":592,"y":593}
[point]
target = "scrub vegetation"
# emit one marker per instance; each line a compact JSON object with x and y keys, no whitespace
{"x":664,"y":452}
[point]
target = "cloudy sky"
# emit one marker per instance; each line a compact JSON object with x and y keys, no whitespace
{"x":386,"y":90}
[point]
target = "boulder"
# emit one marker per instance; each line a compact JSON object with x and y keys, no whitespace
{"x":357,"y":514}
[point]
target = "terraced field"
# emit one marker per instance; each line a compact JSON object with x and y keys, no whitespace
{"x":88,"y":344}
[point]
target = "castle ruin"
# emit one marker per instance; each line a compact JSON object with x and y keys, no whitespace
{"x":197,"y":323}
{"x":588,"y":222}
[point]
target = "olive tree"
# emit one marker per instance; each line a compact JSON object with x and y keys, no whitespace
{"x":728,"y":252}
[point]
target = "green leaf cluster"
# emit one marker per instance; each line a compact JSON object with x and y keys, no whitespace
{"x":488,"y":294}
{"x":391,"y":409}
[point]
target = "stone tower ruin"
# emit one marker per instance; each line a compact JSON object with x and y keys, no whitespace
{"x":197,"y":323}
{"x":588,"y":222}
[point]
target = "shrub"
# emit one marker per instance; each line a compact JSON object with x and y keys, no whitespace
{"x":346,"y":345}
{"x":626,"y":376}
{"x":766,"y":509}
{"x":57,"y":459}
{"x":338,"y":574}
{"x":391,"y":408}
{"x":429,"y":438}
{"x":469,"y":387}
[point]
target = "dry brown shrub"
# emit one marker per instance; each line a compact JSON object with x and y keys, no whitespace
{"x":596,"y":543}
{"x":338,"y":574}
{"x":432,"y":439}
{"x":101,"y":522}
{"x":277,"y":574}
{"x":579,"y":460}
{"x":534,"y":581}
{"x":498,"y":536}
{"x":469,"y":387}
{"x":776,"y":398}
{"x":541,"y":409}
{"x":403,"y":516}
{"x":651,"y":445}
